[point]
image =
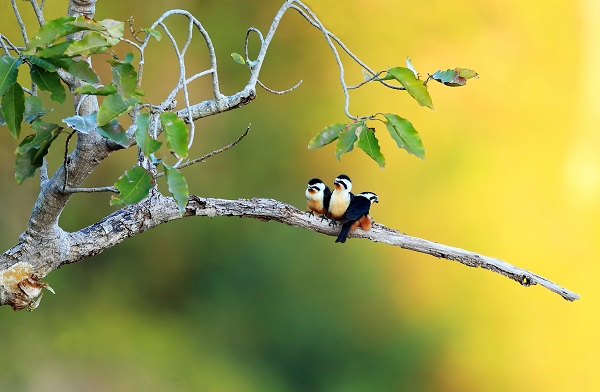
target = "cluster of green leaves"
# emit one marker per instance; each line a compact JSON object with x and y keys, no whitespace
{"x":50,"y":51}
{"x":400,"y":129}
{"x":135,"y":184}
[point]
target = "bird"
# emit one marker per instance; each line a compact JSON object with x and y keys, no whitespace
{"x":357,"y":214}
{"x":340,"y":197}
{"x":317,"y":197}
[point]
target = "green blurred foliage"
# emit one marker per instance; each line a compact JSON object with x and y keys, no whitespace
{"x":239,"y":305}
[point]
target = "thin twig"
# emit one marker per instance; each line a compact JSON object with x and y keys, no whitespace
{"x":133,"y":32}
{"x":20,"y":22}
{"x":375,"y":78}
{"x":38,"y":11}
{"x":130,"y":42}
{"x":345,"y":48}
{"x":6,"y":51}
{"x":198,"y":75}
{"x":261,"y":84}
{"x":246,"y":44}
{"x":306,"y":12}
{"x":91,"y":190}
{"x":310,"y":16}
{"x":14,"y":47}
{"x":210,"y":154}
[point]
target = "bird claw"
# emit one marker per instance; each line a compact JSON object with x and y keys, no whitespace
{"x":332,"y":222}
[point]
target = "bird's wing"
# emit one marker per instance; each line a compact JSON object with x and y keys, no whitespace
{"x":358,"y":207}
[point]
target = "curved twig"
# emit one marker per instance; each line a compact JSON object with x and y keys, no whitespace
{"x":210,"y":154}
{"x":246,"y":43}
{"x":39,"y":14}
{"x":261,"y":84}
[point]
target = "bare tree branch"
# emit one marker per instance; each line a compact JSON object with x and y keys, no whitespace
{"x":269,"y":209}
{"x":158,"y":209}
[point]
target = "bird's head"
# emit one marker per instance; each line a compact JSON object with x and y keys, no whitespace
{"x":315,"y":185}
{"x":342,"y":182}
{"x":370,"y":196}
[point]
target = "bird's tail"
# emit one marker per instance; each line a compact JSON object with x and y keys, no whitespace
{"x":344,"y":232}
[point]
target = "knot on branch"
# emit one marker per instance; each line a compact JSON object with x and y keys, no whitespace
{"x":247,"y":98}
{"x":23,"y":285}
{"x":194,"y":204}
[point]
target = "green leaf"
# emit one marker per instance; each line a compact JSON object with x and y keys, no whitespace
{"x":13,"y":107}
{"x":415,"y":87}
{"x":113,"y":106}
{"x":238,"y":58}
{"x":54,"y":51}
{"x":114,"y":30}
{"x":93,"y":42}
{"x":155,"y":33}
{"x":326,"y":136}
{"x":176,"y":134}
{"x":405,"y":135}
{"x":177,"y":186}
{"x":454,"y":77}
{"x":80,"y":69}
{"x":133,"y":186}
{"x":84,"y":23}
{"x":142,"y":138}
{"x":45,"y":133}
{"x":467,"y":73}
{"x":128,"y":58}
{"x":9,"y":70}
{"x":368,"y":143}
{"x":125,"y":78}
{"x":48,"y":66}
{"x":24,"y":167}
{"x":83,"y":124}
{"x":33,"y":109}
{"x":51,"y":31}
{"x":115,"y":132}
{"x":48,"y":81}
{"x":91,"y":90}
{"x":33,"y":148}
{"x":347,"y":138}
{"x":2,"y":120}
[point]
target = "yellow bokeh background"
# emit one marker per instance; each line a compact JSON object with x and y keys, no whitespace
{"x":512,"y":171}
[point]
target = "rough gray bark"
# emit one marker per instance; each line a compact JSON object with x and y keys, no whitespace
{"x":44,"y":246}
